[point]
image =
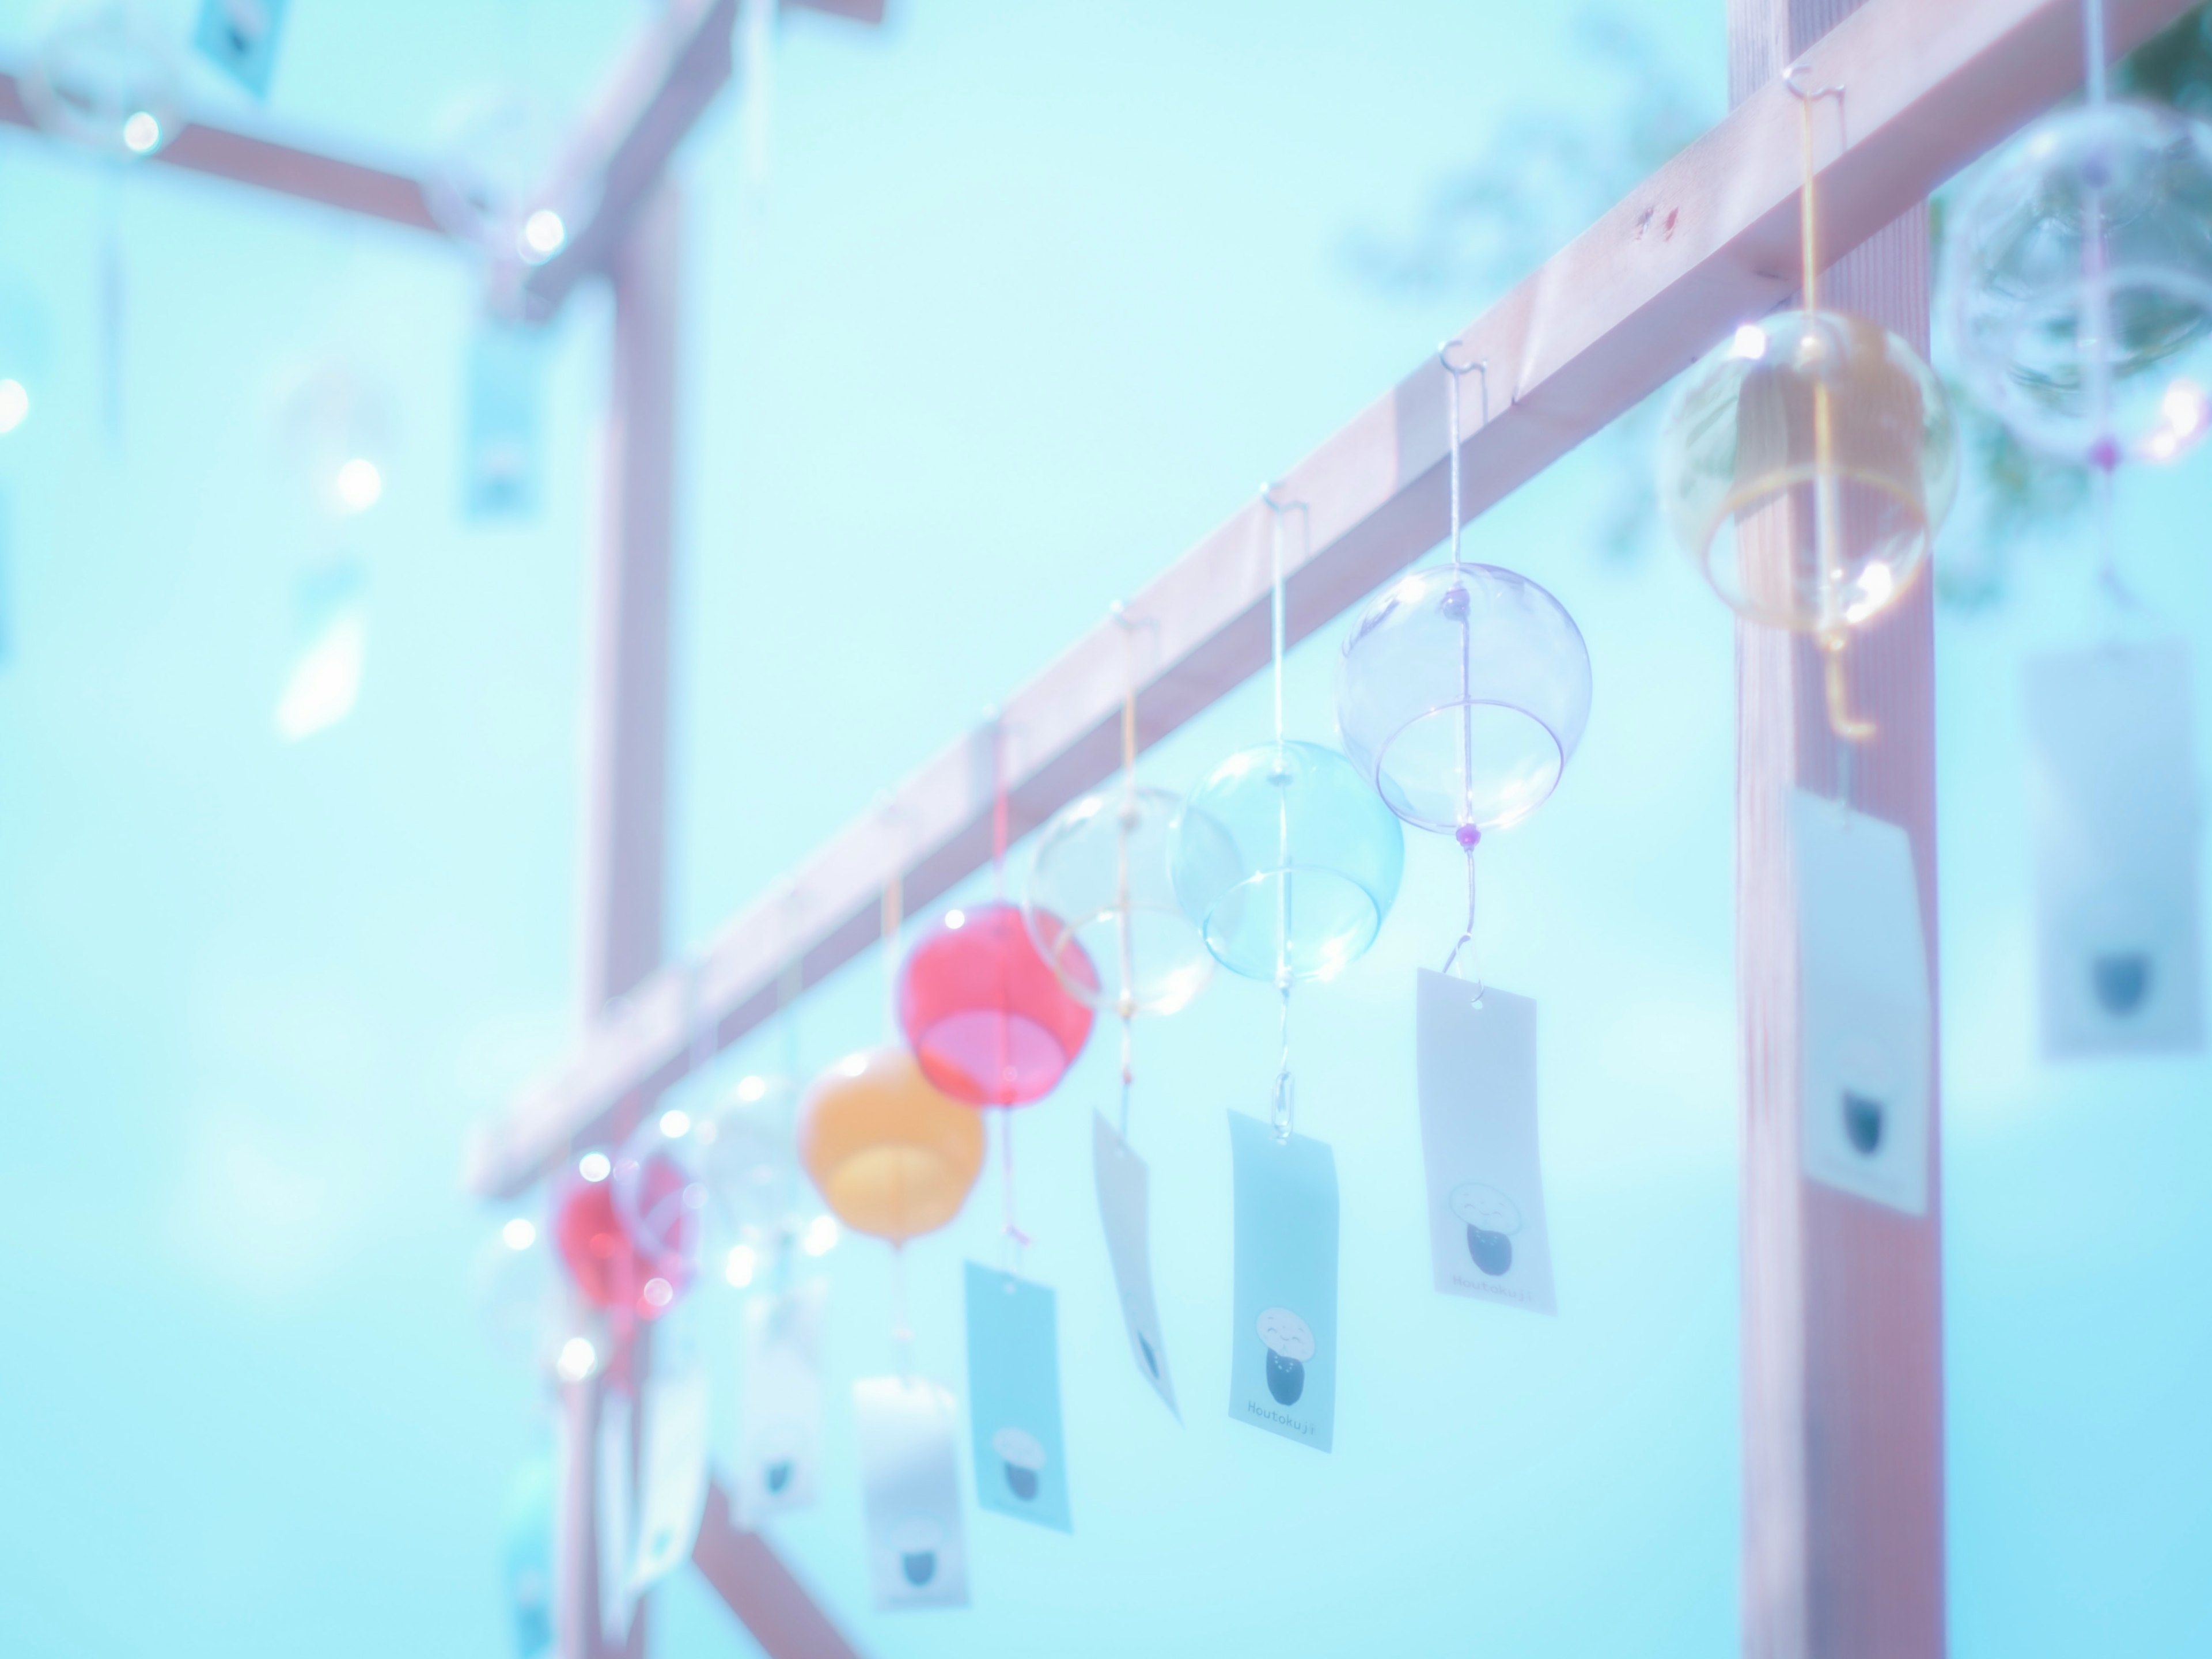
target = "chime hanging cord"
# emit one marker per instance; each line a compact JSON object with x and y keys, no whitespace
{"x":1468,"y":834}
{"x":1286,"y":1098}
{"x":901,"y":1332}
{"x":1125,"y":1004}
{"x":2096,"y":350}
{"x":1833,"y":636}
{"x":788,"y":984}
{"x":1016,"y":1240}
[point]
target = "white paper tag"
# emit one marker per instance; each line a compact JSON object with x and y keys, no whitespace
{"x":1862,"y":1003}
{"x":781,"y":1421}
{"x":1123,"y":1201}
{"x":616,"y":1514}
{"x":910,"y":1478}
{"x":673,"y":1465}
{"x":1487,"y":1236}
{"x":2112,"y":797}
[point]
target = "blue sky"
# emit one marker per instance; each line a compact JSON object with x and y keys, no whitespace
{"x":1036,"y":297}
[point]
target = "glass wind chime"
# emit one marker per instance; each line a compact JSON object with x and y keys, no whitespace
{"x":1806,"y":464}
{"x":1099,"y":890}
{"x":2078,"y":284}
{"x":1462,"y":692}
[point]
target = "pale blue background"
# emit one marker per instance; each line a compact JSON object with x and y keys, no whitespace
{"x":1040,"y":294}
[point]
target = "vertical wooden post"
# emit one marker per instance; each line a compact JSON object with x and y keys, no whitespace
{"x":1843,"y":1374}
{"x":626,"y":779}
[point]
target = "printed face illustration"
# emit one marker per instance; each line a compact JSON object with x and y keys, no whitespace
{"x":1491,"y":1220}
{"x":916,"y":1542}
{"x":1289,"y":1344}
{"x":1023,"y":1459}
{"x":2121,"y":980}
{"x":1868,"y":1080}
{"x":776,"y":1451}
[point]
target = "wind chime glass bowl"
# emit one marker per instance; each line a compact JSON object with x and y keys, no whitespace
{"x":1100,"y":858}
{"x":2109,"y":203}
{"x":1287,"y":861}
{"x":1462,"y":694}
{"x":988,"y":1011}
{"x":1805,"y":431}
{"x":892,"y":1155}
{"x":747,"y":1159}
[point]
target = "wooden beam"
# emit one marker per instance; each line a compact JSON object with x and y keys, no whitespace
{"x":752,"y":1580}
{"x":282,"y":169}
{"x":1842,"y":1331}
{"x":679,"y":63}
{"x":1708,"y":240}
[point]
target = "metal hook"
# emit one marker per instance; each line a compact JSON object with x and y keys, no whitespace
{"x":1480,"y":368}
{"x":1791,"y":78}
{"x":1847,"y":727}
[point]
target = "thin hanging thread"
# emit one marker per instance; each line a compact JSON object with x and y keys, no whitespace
{"x":1834,"y":637}
{"x":2105,"y":449}
{"x":699,"y":1026}
{"x":1016,"y":1240}
{"x":1125,"y":1004}
{"x":1285,"y":1094}
{"x":1469,"y":834}
{"x":901,"y":1332}
{"x":997,"y":804}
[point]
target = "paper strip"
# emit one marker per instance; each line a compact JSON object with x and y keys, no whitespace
{"x":1477,"y":1067}
{"x":239,"y":36}
{"x":910,"y":1478}
{"x":532,"y":1505}
{"x":1282,"y":1365}
{"x":2112,"y":797}
{"x":1863,"y":1008}
{"x":1014,"y":1398}
{"x":502,"y":465}
{"x":1124,"y":1207}
{"x":673,"y":1461}
{"x":781,"y":1421}
{"x":616,"y":1516}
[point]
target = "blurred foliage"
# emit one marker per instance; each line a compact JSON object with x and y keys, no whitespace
{"x":1548,"y":177}
{"x":1545,"y":179}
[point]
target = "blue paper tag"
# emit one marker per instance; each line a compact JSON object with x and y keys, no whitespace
{"x":239,"y":36}
{"x":1282,"y":1366}
{"x":501,"y":467}
{"x":1123,"y":1207}
{"x":1014,"y":1398}
{"x":528,"y":1556}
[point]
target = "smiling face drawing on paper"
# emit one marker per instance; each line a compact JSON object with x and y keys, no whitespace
{"x":916,"y":1542}
{"x":1023,"y":1459}
{"x":1289,"y":1344}
{"x":1491,"y":1220}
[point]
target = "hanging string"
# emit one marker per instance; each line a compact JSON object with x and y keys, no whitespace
{"x":2092,"y":49}
{"x":1285,"y":1092}
{"x":893,"y":896}
{"x":2096,"y":346}
{"x":1125,"y":1004}
{"x":1833,"y":636}
{"x":997,"y":718}
{"x":1010,"y":1231}
{"x":902,"y":1332}
{"x":699,"y":1027}
{"x":1468,"y":834}
{"x":759,"y":27}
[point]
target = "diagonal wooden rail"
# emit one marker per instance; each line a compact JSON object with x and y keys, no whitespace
{"x":1708,"y":240}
